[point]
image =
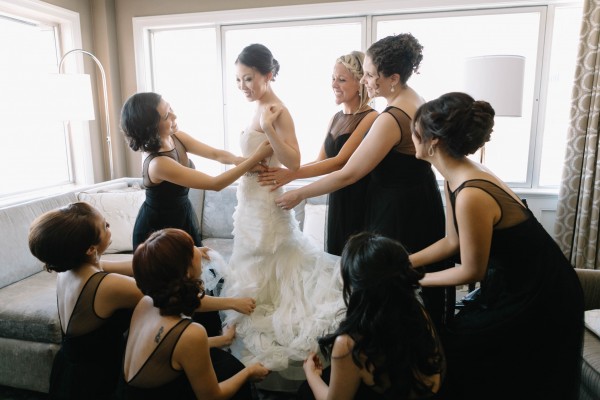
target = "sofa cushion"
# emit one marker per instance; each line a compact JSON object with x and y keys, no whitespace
{"x":28,"y":309}
{"x":314,"y":223}
{"x":217,"y":215}
{"x":590,"y":366}
{"x":17,"y":260}
{"x":197,"y":199}
{"x":120,"y":208}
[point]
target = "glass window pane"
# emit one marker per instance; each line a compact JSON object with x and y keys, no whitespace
{"x":186,"y":73}
{"x":565,"y":38}
{"x":304,"y":80}
{"x":35,"y":149}
{"x":442,"y":69}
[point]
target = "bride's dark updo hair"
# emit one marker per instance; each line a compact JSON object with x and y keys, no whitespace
{"x":260,"y":57}
{"x":160,"y":268}
{"x":462,"y":124}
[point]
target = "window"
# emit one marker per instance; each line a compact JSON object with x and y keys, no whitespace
{"x":192,"y":85}
{"x":36,"y":147}
{"x":207,"y":101}
{"x":561,"y":73}
{"x":467,"y":35}
{"x":44,"y":160}
{"x":525,"y":151}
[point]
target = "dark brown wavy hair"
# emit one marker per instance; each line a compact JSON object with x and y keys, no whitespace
{"x":139,"y":121}
{"x":160,"y":268}
{"x":385,"y":317}
{"x":398,"y":54}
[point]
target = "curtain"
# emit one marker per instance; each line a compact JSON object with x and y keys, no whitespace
{"x":576,"y":228}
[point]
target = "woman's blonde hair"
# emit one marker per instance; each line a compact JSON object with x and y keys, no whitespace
{"x":354,"y":63}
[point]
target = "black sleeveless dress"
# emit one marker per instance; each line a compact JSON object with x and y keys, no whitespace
{"x":404,"y":203}
{"x":157,"y":379}
{"x":345,"y":212}
{"x":88,"y":363}
{"x":522,"y":337}
{"x":167,"y":205}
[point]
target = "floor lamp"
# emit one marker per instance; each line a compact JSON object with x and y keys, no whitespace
{"x":105,"y":92}
{"x":497,"y":79}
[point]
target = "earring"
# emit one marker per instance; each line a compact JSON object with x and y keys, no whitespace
{"x":392,"y":89}
{"x":431,"y":151}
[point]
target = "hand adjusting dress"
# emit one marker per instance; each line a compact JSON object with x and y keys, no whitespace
{"x":297,"y":286}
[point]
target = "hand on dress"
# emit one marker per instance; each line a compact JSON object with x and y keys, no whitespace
{"x":312,"y":365}
{"x":228,"y":335}
{"x":288,"y":200}
{"x":262,"y":152}
{"x":269,"y":115}
{"x":204,"y":252}
{"x":244,"y":305}
{"x":275,"y":177}
{"x":258,"y":372}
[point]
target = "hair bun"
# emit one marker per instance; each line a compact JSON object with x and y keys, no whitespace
{"x":275,"y":68}
{"x":483,"y":107}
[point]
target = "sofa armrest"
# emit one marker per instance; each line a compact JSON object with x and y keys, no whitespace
{"x":590,"y":282}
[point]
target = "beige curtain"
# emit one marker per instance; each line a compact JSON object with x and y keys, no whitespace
{"x":576,"y":228}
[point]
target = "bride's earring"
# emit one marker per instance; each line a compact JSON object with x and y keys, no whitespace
{"x":431,"y":151}
{"x":392,"y":89}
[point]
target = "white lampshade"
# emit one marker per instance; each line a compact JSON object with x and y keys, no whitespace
{"x":497,"y":79}
{"x":71,"y":96}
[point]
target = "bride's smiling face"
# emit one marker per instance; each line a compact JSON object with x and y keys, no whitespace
{"x":251,"y":82}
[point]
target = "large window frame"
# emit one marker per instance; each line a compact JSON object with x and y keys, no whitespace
{"x":371,"y":12}
{"x":67,"y":30}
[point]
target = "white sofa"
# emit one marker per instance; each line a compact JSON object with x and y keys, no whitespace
{"x":29,"y":328}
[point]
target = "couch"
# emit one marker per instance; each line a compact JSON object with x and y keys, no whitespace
{"x":29,"y":327}
{"x":589,"y":389}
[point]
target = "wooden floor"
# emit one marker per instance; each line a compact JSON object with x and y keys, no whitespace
{"x":8,"y":393}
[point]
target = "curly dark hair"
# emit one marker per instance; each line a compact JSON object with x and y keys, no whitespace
{"x":462,"y":123}
{"x":160,"y":269}
{"x":139,"y":121}
{"x":260,"y":57}
{"x":61,"y":238}
{"x":398,"y":54}
{"x":385,"y":318}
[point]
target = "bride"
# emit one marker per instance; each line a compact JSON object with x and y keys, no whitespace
{"x":297,"y":286}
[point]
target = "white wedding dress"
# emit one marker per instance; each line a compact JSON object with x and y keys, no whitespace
{"x":297,"y":286}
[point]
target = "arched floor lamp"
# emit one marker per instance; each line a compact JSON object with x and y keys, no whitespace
{"x":105,"y":93}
